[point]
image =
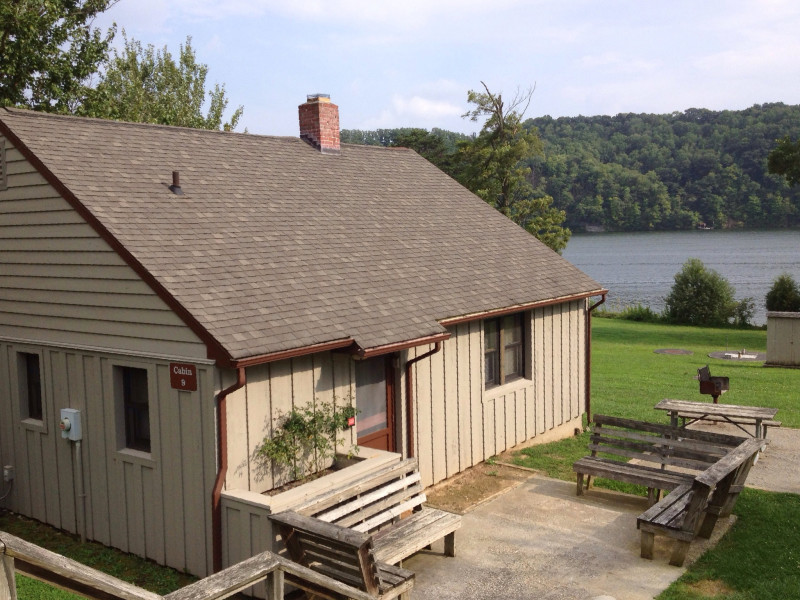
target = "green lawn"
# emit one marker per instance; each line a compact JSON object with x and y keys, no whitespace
{"x":759,"y":558}
{"x":628,"y":378}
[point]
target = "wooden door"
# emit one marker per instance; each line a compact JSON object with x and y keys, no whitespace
{"x":375,"y":403}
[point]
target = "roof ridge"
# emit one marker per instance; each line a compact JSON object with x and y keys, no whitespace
{"x":133,"y":124}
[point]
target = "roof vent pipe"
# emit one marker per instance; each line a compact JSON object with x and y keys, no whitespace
{"x":175,"y":188}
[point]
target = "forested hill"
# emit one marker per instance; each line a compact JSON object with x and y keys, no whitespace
{"x":640,"y":172}
{"x":636,"y":172}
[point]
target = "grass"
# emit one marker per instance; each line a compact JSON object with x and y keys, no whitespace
{"x":130,"y":568}
{"x":759,"y":558}
{"x":628,"y":378}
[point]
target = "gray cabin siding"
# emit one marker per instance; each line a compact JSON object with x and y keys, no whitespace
{"x":156,"y":505}
{"x":66,"y":296}
{"x":61,"y":283}
{"x":459,"y":424}
{"x":272,"y":390}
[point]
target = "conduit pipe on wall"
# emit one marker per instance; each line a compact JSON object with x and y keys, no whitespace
{"x":410,"y":396}
{"x":589,"y":357}
{"x":222,"y":454}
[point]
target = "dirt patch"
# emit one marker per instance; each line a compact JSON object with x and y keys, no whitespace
{"x":465,"y":491}
{"x":711,"y":588}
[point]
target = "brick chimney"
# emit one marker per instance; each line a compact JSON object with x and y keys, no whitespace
{"x":319,"y":123}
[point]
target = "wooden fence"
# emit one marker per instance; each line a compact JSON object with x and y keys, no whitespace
{"x":54,"y":569}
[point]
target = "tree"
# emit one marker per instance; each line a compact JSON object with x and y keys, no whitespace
{"x":430,"y":146}
{"x":146,"y":85}
{"x":784,"y":295}
{"x":785,"y":160}
{"x":700,"y":296}
{"x":495,"y":166}
{"x":49,"y":50}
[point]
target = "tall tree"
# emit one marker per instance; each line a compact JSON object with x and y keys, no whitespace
{"x":495,"y":165}
{"x":785,"y":160}
{"x":49,"y":50}
{"x":146,"y":85}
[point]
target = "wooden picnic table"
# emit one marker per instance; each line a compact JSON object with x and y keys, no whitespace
{"x":727,"y":413}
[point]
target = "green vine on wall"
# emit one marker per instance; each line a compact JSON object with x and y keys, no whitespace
{"x":306,"y":438}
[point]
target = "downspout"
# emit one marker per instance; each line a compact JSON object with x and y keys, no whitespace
{"x":222,"y":456}
{"x":589,"y":357}
{"x":410,"y":396}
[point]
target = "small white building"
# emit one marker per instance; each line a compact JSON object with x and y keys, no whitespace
{"x":181,"y":315}
{"x":783,"y":339}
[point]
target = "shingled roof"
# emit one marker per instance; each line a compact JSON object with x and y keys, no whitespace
{"x":276,"y":246}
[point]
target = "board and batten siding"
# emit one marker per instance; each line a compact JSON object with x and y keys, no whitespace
{"x":459,"y":424}
{"x":61,"y":283}
{"x":273,"y":390}
{"x":67,"y":297}
{"x":783,"y":339}
{"x":156,"y":504}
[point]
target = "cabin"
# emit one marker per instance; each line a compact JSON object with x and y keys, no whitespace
{"x":167,"y":294}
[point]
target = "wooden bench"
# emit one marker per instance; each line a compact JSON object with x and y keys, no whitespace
{"x":714,"y":386}
{"x":692,"y":509}
{"x":387,"y":505}
{"x":340,"y":553}
{"x":657,"y":451}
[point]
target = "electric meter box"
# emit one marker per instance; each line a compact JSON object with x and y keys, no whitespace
{"x":71,"y":424}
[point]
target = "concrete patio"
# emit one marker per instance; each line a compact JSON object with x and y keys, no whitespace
{"x":540,"y":540}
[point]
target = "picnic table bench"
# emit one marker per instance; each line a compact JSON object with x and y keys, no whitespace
{"x":343,"y":554}
{"x":653,"y":448}
{"x":759,"y":417}
{"x":692,"y":509}
{"x":387,"y":505}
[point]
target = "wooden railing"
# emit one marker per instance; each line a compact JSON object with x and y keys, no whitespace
{"x":54,"y":569}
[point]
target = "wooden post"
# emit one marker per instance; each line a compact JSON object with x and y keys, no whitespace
{"x":8,"y":584}
{"x":275,"y":585}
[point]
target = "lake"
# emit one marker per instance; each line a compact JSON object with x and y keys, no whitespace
{"x":640,"y":268}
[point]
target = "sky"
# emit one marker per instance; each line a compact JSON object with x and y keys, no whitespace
{"x":410,"y":63}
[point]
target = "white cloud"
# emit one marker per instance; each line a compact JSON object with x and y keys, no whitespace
{"x":424,"y":108}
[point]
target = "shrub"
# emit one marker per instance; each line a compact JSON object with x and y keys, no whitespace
{"x":700,"y":296}
{"x":306,"y":438}
{"x":641,"y":313}
{"x":784,"y":295}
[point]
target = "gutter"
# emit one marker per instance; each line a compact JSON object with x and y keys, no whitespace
{"x":222,"y":454}
{"x":589,"y":356}
{"x":487,"y":314}
{"x":410,"y":396}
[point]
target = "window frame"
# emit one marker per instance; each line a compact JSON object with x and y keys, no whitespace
{"x":129,"y":437}
{"x":500,"y":347}
{"x":36,"y":417}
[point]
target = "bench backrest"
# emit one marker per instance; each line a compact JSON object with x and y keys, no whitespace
{"x":660,"y":444}
{"x":337,"y":552}
{"x":372,"y":502}
{"x":738,"y":459}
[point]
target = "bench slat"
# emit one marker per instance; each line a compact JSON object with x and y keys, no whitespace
{"x":377,"y":508}
{"x":661,"y":459}
{"x":667,"y":430}
{"x":323,"y":502}
{"x":392,"y":513}
{"x":700,"y":446}
{"x":417,"y":531}
{"x":333,"y":515}
{"x":631,"y":473}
